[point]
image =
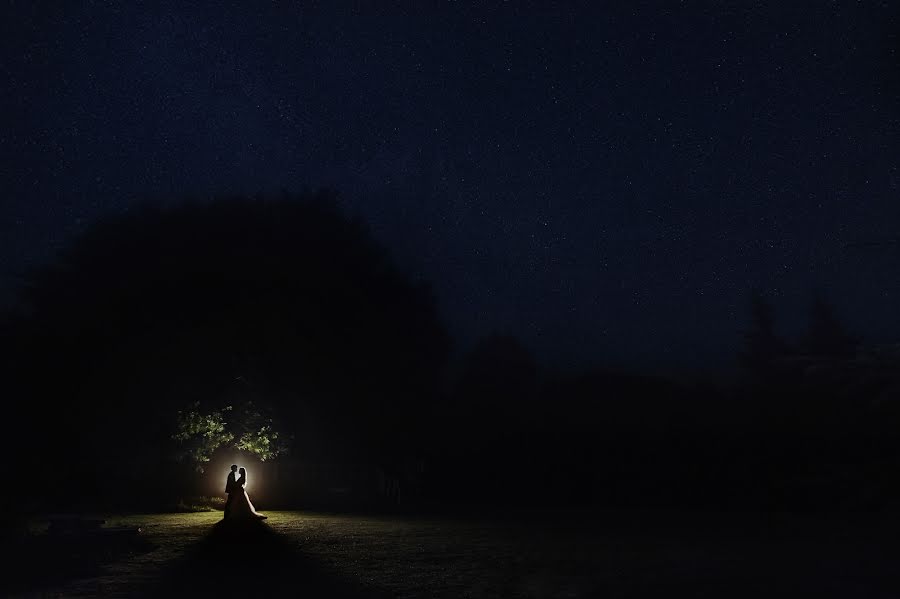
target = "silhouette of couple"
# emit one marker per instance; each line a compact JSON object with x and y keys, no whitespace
{"x":238,"y":506}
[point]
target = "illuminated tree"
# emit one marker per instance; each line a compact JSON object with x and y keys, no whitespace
{"x":255,"y":433}
{"x":200,"y":432}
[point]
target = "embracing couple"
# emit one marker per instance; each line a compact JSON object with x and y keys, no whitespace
{"x":238,"y":506}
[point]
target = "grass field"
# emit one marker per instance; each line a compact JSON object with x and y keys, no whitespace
{"x":550,"y":555}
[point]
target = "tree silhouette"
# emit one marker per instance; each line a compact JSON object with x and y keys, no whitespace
{"x":285,"y":303}
{"x":762,"y":345}
{"x":826,"y":336}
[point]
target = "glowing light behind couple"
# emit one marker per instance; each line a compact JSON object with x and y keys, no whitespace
{"x":220,"y":467}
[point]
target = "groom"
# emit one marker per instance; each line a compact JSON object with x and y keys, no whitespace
{"x":230,"y":488}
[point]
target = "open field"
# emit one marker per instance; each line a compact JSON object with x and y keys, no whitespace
{"x":546,"y":555}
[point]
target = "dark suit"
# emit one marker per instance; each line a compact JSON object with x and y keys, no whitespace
{"x":230,"y":487}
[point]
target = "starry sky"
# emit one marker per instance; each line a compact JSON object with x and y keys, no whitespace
{"x":606,"y":180}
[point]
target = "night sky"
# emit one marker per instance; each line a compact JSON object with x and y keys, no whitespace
{"x":609,"y":182}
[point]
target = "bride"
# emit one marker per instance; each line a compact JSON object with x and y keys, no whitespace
{"x":242,"y":508}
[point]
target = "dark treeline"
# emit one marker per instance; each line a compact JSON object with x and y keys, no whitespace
{"x":804,"y":428}
{"x":288,"y":305}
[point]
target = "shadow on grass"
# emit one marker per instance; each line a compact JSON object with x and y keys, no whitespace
{"x":251,"y":559}
{"x":35,"y":564}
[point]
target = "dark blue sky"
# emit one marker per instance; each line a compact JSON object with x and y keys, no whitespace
{"x":608,"y":181}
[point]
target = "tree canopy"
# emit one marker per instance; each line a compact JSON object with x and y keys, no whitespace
{"x":281,"y":303}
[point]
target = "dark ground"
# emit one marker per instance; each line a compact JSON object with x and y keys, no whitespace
{"x":537,"y":555}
